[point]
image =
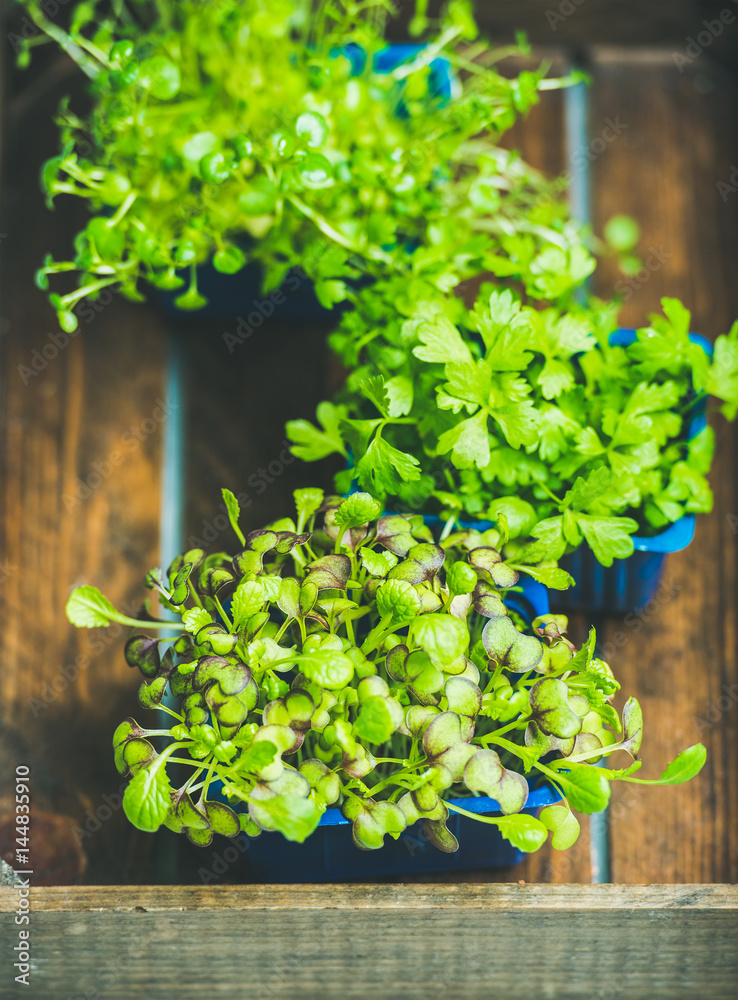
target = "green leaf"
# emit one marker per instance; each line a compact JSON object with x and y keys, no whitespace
{"x":195,"y":618}
{"x":399,"y":391}
{"x":357,"y":510}
{"x":550,"y":576}
{"x":622,"y":233}
{"x":309,"y":443}
{"x":555,"y":377}
{"x":441,"y":342}
{"x":608,"y":537}
{"x":521,"y":516}
{"x":373,"y":388}
{"x":329,"y":292}
{"x":377,"y":564}
{"x":160,"y":77}
{"x":234,"y":512}
{"x":683,"y":768}
{"x":385,"y":468}
{"x":587,"y":491}
{"x":722,"y":377}
{"x":294,"y":817}
{"x":399,"y":600}
{"x":248,"y":599}
{"x":307,"y":502}
{"x":562,"y":823}
{"x":524,"y":832}
{"x":229,"y":260}
{"x":312,"y":128}
{"x":632,"y":726}
{"x":443,"y":637}
{"x":468,"y":442}
{"x":256,"y":757}
{"x":147,"y":798}
{"x":374,"y":723}
{"x":88,"y":608}
{"x":550,"y":708}
{"x":506,"y":645}
{"x":328,"y":668}
{"x":586,"y":787}
{"x":199,"y":145}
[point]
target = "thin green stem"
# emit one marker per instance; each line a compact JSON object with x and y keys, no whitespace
{"x":223,"y":615}
{"x":169,"y":711}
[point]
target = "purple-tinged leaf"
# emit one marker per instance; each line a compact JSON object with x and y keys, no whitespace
{"x":143,"y":652}
{"x":440,"y":836}
{"x":487,"y":601}
{"x":330,"y":572}
{"x":395,"y":532}
{"x":232,"y":677}
{"x":485,"y":773}
{"x":633,"y":726}
{"x":550,"y":707}
{"x":511,"y":648}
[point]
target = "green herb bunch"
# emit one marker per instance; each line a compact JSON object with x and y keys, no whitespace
{"x":526,"y":411}
{"x":357,"y":662}
{"x":230,"y":132}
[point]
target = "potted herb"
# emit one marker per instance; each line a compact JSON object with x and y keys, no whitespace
{"x":287,"y":134}
{"x":347,"y":661}
{"x":579,"y":436}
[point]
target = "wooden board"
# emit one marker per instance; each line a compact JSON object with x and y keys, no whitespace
{"x":394,"y":942}
{"x":81,"y":420}
{"x":680,"y":656}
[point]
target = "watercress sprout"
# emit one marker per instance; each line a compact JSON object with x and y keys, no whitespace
{"x":379,"y":672}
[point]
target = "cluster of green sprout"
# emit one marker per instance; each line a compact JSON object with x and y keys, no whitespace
{"x":347,"y":658}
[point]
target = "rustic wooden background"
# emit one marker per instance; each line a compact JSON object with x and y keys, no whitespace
{"x":69,"y":515}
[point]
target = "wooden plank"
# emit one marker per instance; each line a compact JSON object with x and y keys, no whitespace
{"x":386,"y":941}
{"x":81,"y":425}
{"x":680,"y":657}
{"x":578,"y":23}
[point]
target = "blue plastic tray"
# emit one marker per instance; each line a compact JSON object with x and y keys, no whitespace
{"x":329,"y":853}
{"x":234,"y":296}
{"x":630,"y":583}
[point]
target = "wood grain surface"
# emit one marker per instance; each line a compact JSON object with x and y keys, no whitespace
{"x":81,"y":419}
{"x":70,"y":512}
{"x":679,"y":656}
{"x":402,"y":942}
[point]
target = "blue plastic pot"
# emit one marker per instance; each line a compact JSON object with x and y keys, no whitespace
{"x":329,"y":853}
{"x":630,"y":583}
{"x":235,"y":297}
